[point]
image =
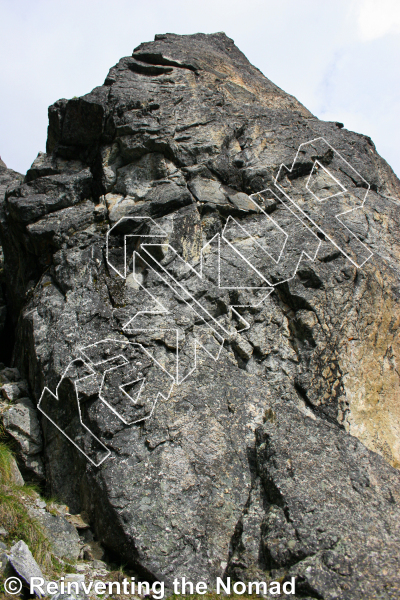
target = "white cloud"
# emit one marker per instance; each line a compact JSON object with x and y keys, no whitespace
{"x":361,"y":88}
{"x":377,"y":18}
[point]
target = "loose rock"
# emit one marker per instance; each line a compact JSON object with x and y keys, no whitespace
{"x":23,"y":563}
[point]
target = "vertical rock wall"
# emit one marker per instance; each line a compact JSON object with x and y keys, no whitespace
{"x":250,"y":463}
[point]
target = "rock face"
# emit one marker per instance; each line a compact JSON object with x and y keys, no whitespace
{"x":21,"y":423}
{"x":332,"y":513}
{"x":63,"y":536}
{"x":8,"y":178}
{"x":214,"y":382}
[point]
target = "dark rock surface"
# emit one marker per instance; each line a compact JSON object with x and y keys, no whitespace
{"x":331,"y":510}
{"x":8,"y":179}
{"x":251,"y":465}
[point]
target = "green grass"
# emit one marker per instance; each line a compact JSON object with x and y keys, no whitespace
{"x":5,"y":462}
{"x":51,"y":505}
{"x":15,"y":518}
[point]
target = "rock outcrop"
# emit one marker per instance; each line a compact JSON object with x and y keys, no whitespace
{"x":8,"y":178}
{"x":230,"y":389}
{"x":21,"y":423}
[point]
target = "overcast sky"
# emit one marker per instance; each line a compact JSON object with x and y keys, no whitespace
{"x":339,"y":58}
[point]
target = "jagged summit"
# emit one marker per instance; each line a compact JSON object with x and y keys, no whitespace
{"x":216,"y":55}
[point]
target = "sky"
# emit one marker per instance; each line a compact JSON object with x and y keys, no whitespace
{"x":340,"y":58}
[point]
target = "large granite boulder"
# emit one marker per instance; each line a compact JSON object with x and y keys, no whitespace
{"x":206,"y":339}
